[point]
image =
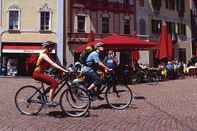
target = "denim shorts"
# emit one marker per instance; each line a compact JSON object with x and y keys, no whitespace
{"x":93,"y":77}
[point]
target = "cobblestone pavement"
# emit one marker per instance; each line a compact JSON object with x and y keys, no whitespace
{"x":168,"y":106}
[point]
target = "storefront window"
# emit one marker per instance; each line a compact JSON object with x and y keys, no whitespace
{"x":12,"y":67}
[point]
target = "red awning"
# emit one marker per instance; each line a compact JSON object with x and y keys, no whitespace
{"x":119,"y":42}
{"x":21,"y":48}
{"x":125,"y":42}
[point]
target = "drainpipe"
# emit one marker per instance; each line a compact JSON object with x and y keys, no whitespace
{"x":60,"y":30}
{"x":1,"y":32}
{"x":0,"y":25}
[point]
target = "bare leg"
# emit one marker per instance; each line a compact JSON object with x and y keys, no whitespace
{"x":92,"y":86}
{"x":51,"y":95}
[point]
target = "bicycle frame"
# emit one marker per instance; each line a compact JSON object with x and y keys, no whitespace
{"x":107,"y":82}
{"x":61,"y":84}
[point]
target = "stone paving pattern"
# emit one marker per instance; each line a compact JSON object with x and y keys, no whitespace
{"x":168,"y":106}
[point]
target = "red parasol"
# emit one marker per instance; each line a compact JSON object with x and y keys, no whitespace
{"x":163,"y":50}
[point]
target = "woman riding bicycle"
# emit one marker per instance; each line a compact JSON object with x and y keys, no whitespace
{"x":43,"y":62}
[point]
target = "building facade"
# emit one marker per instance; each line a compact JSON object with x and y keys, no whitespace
{"x":24,"y":27}
{"x":177,"y":14}
{"x":103,"y":17}
{"x":194,"y":26}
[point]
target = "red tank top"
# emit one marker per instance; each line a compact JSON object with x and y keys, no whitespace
{"x":41,"y":64}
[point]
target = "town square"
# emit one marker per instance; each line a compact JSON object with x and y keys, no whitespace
{"x":98,"y":65}
{"x":168,"y":106}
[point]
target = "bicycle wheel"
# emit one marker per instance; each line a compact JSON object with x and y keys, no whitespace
{"x":153,"y":79}
{"x":26,"y":100}
{"x":75,"y":101}
{"x":119,"y":96}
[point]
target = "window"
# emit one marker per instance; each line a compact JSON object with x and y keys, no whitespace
{"x":45,"y":21}
{"x":142,"y":27}
{"x":126,"y":26}
{"x":170,"y":4}
{"x":180,"y":5}
{"x":171,"y":27}
{"x":81,"y":24}
{"x":14,"y":20}
{"x":156,"y":26}
{"x":126,"y":2}
{"x":195,"y":19}
{"x":181,"y":29}
{"x":182,"y":54}
{"x":141,"y":3}
{"x":156,"y":4}
{"x":105,"y":25}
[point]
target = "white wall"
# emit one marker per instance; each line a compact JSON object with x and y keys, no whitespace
{"x":0,"y":23}
{"x":144,"y":57}
{"x":60,"y":29}
{"x":0,"y":16}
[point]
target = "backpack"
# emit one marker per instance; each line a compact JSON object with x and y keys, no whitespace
{"x":83,"y":57}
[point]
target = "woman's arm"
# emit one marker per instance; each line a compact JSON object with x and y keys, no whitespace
{"x":46,"y":58}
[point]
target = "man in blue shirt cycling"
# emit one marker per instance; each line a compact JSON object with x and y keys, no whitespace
{"x":92,"y":63}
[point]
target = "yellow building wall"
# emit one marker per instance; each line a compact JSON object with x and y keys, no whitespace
{"x":29,"y":19}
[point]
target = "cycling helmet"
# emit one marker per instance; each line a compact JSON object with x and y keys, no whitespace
{"x":99,"y":44}
{"x":47,"y":44}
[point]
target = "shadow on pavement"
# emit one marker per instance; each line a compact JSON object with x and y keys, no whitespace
{"x":106,"y":106}
{"x":139,"y":97}
{"x":60,"y":114}
{"x":102,"y":106}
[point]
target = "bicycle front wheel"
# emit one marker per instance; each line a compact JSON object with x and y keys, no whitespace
{"x":26,"y":100}
{"x":119,"y":96}
{"x":75,"y":101}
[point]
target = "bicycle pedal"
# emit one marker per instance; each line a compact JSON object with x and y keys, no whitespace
{"x":93,"y":98}
{"x":52,"y":104}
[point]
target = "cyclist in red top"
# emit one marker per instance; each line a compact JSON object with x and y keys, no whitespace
{"x":42,"y":63}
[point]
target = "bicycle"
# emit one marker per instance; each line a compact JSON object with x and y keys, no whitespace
{"x":118,"y":96}
{"x":74,"y":100}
